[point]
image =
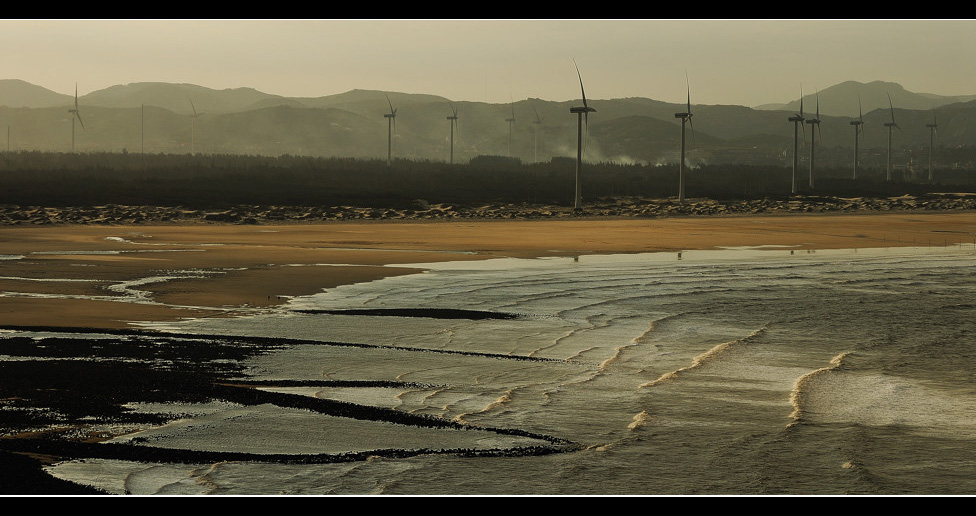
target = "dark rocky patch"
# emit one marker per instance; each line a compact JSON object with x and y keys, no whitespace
{"x":603,"y":207}
{"x":433,"y":313}
{"x":22,"y":475}
{"x":62,"y":387}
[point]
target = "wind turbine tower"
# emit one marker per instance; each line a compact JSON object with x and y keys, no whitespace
{"x":75,"y":114}
{"x":857,"y":131}
{"x":581,"y":112}
{"x":390,"y":124}
{"x":797,"y":120}
{"x":932,"y":132}
{"x":814,"y":128}
{"x":510,"y":122}
{"x":453,"y":118}
{"x":890,"y":125}
{"x":685,"y":117}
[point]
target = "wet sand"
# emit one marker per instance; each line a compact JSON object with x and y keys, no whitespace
{"x":73,"y":275}
{"x":57,"y":275}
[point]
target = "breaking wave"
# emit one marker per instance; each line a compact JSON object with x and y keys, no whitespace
{"x":798,"y":391}
{"x":704,"y":358}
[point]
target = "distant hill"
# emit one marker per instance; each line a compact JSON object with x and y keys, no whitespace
{"x":176,"y":97}
{"x":359,"y":97}
{"x":842,"y":99}
{"x":17,"y":93}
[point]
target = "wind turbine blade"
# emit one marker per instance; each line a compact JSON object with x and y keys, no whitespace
{"x":892,"y":108}
{"x":860,"y":114}
{"x":192,"y":107}
{"x":76,"y":97}
{"x":801,"y":102}
{"x":388,"y":101}
{"x":586,"y":134}
{"x":688,"y":83}
{"x":583,"y":93}
{"x":77,"y":114}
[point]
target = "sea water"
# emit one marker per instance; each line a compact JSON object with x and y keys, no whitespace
{"x":739,"y":371}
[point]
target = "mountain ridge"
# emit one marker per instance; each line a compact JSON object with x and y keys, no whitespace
{"x":174,"y":96}
{"x":842,"y":99}
{"x":156,"y":117}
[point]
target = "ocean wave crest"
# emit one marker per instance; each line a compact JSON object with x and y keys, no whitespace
{"x":639,"y":420}
{"x":504,"y":399}
{"x":799,"y":387}
{"x":706,"y":357}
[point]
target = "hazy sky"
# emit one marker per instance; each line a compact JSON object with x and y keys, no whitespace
{"x":746,"y":62}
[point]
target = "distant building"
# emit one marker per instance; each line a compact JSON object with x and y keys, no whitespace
{"x":484,"y":161}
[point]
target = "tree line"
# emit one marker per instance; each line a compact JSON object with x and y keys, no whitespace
{"x":33,"y":178}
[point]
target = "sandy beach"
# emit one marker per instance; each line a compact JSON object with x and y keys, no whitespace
{"x":108,"y":276}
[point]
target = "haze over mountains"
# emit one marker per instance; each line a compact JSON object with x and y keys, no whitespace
{"x":157,"y":117}
{"x":842,"y":99}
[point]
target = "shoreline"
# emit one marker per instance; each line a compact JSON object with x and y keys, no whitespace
{"x":111,"y":276}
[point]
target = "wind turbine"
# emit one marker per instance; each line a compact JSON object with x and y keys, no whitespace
{"x":889,"y":125}
{"x":580,"y":113}
{"x":193,"y":118}
{"x":685,"y":117}
{"x":538,"y":126}
{"x":857,"y":131}
{"x":453,"y":118}
{"x":797,"y":119}
{"x":75,"y":114}
{"x":932,"y":132}
{"x":510,"y":122}
{"x":815,"y":121}
{"x":390,"y":123}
